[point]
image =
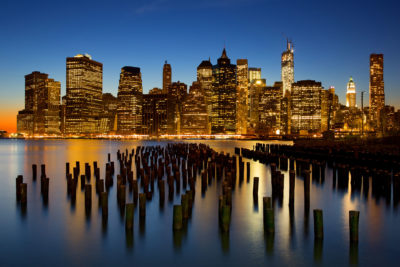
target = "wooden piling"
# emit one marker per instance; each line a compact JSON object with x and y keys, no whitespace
{"x":354,"y":217}
{"x":225,"y":218}
{"x":291,"y":187}
{"x":24,"y":192}
{"x":104,"y":204}
{"x":34,"y":172}
{"x":255,"y":187}
{"x":318,"y":224}
{"x":88,"y":197}
{"x":129,"y":216}
{"x":177,"y":218}
{"x":269,"y":220}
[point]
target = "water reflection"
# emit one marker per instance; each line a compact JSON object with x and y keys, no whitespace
{"x":67,"y":218}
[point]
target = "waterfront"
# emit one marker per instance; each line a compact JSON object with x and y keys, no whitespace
{"x":60,"y":234}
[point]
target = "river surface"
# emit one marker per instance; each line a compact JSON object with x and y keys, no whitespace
{"x":60,"y":234}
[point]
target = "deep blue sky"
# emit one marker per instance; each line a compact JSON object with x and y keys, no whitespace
{"x":333,"y":39}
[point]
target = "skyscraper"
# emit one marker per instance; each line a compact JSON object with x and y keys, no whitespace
{"x":376,"y":87}
{"x":223,"y":119}
{"x":256,"y":88}
{"x":351,"y":94}
{"x":154,"y":120}
{"x":205,"y":78}
{"x":306,"y":106}
{"x":42,"y":105}
{"x":194,"y":112}
{"x":176,"y":93}
{"x":254,"y":74}
{"x":270,"y":110}
{"x":84,"y":94}
{"x":287,"y":72}
{"x":130,"y":93}
{"x":167,"y":77}
{"x":242,"y":78}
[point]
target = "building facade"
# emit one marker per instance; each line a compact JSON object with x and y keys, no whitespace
{"x":176,"y":93}
{"x":306,"y":107}
{"x":254,"y":74}
{"x":205,"y":78}
{"x":287,"y":68}
{"x":376,"y":87}
{"x":154,"y":121}
{"x":194,"y":119}
{"x":223,"y":119}
{"x":256,"y":89}
{"x":130,"y":93}
{"x":109,"y":116}
{"x":270,"y":110}
{"x":42,"y":106}
{"x":351,"y":94}
{"x":242,"y":78}
{"x":84,"y":95}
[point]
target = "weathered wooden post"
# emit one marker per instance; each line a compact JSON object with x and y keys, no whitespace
{"x":88,"y":197}
{"x":354,"y":217}
{"x":185,"y":206}
{"x":24,"y":192}
{"x":291,"y":188}
{"x":226,"y":218}
{"x":318,"y":224}
{"x":306,"y":188}
{"x":129,"y":216}
{"x":255,"y":187}
{"x":269,"y":220}
{"x":19,"y":181}
{"x":142,"y":205}
{"x":104,"y":205}
{"x":178,"y":218}
{"x":34,"y":172}
{"x":248,"y":171}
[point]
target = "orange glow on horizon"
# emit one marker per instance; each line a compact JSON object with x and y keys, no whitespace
{"x":8,"y":120}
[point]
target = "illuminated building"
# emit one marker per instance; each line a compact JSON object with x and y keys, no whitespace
{"x":130,"y":92}
{"x":167,"y":77}
{"x":376,"y":87}
{"x":254,"y":74}
{"x":42,"y":105}
{"x":194,"y":112}
{"x":154,"y":121}
{"x":329,"y":106}
{"x":256,"y":88}
{"x":63,"y":113}
{"x":205,"y":78}
{"x":176,"y":93}
{"x":223,"y":119}
{"x":242,"y":78}
{"x":306,"y":107}
{"x":109,"y":115}
{"x":270,"y":110}
{"x":351,"y":94}
{"x":84,"y":95}
{"x":287,"y":71}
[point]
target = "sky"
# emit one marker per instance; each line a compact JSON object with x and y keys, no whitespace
{"x":332,"y":41}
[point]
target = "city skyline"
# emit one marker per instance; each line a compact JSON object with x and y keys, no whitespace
{"x":333,"y":66}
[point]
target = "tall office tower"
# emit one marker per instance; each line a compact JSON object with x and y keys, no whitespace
{"x":270,"y":110}
{"x":306,"y":107}
{"x":254,"y":74}
{"x":242,"y":78}
{"x":42,"y":105}
{"x":194,"y":112}
{"x":109,"y":116}
{"x":256,"y":88}
{"x":329,"y":103}
{"x":167,"y":77}
{"x":63,"y":109}
{"x":176,"y":93}
{"x":376,"y":87}
{"x":223,"y":118}
{"x":351,"y":94}
{"x":154,"y":122}
{"x":287,"y":72}
{"x":130,"y":92}
{"x":205,"y":78}
{"x":84,"y":95}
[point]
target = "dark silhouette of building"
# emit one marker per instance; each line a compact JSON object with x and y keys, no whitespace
{"x":223,"y":119}
{"x":154,"y":121}
{"x":130,"y":94}
{"x":167,"y":77}
{"x":84,"y":95}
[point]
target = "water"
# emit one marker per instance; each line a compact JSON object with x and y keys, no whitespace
{"x":61,"y":235}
